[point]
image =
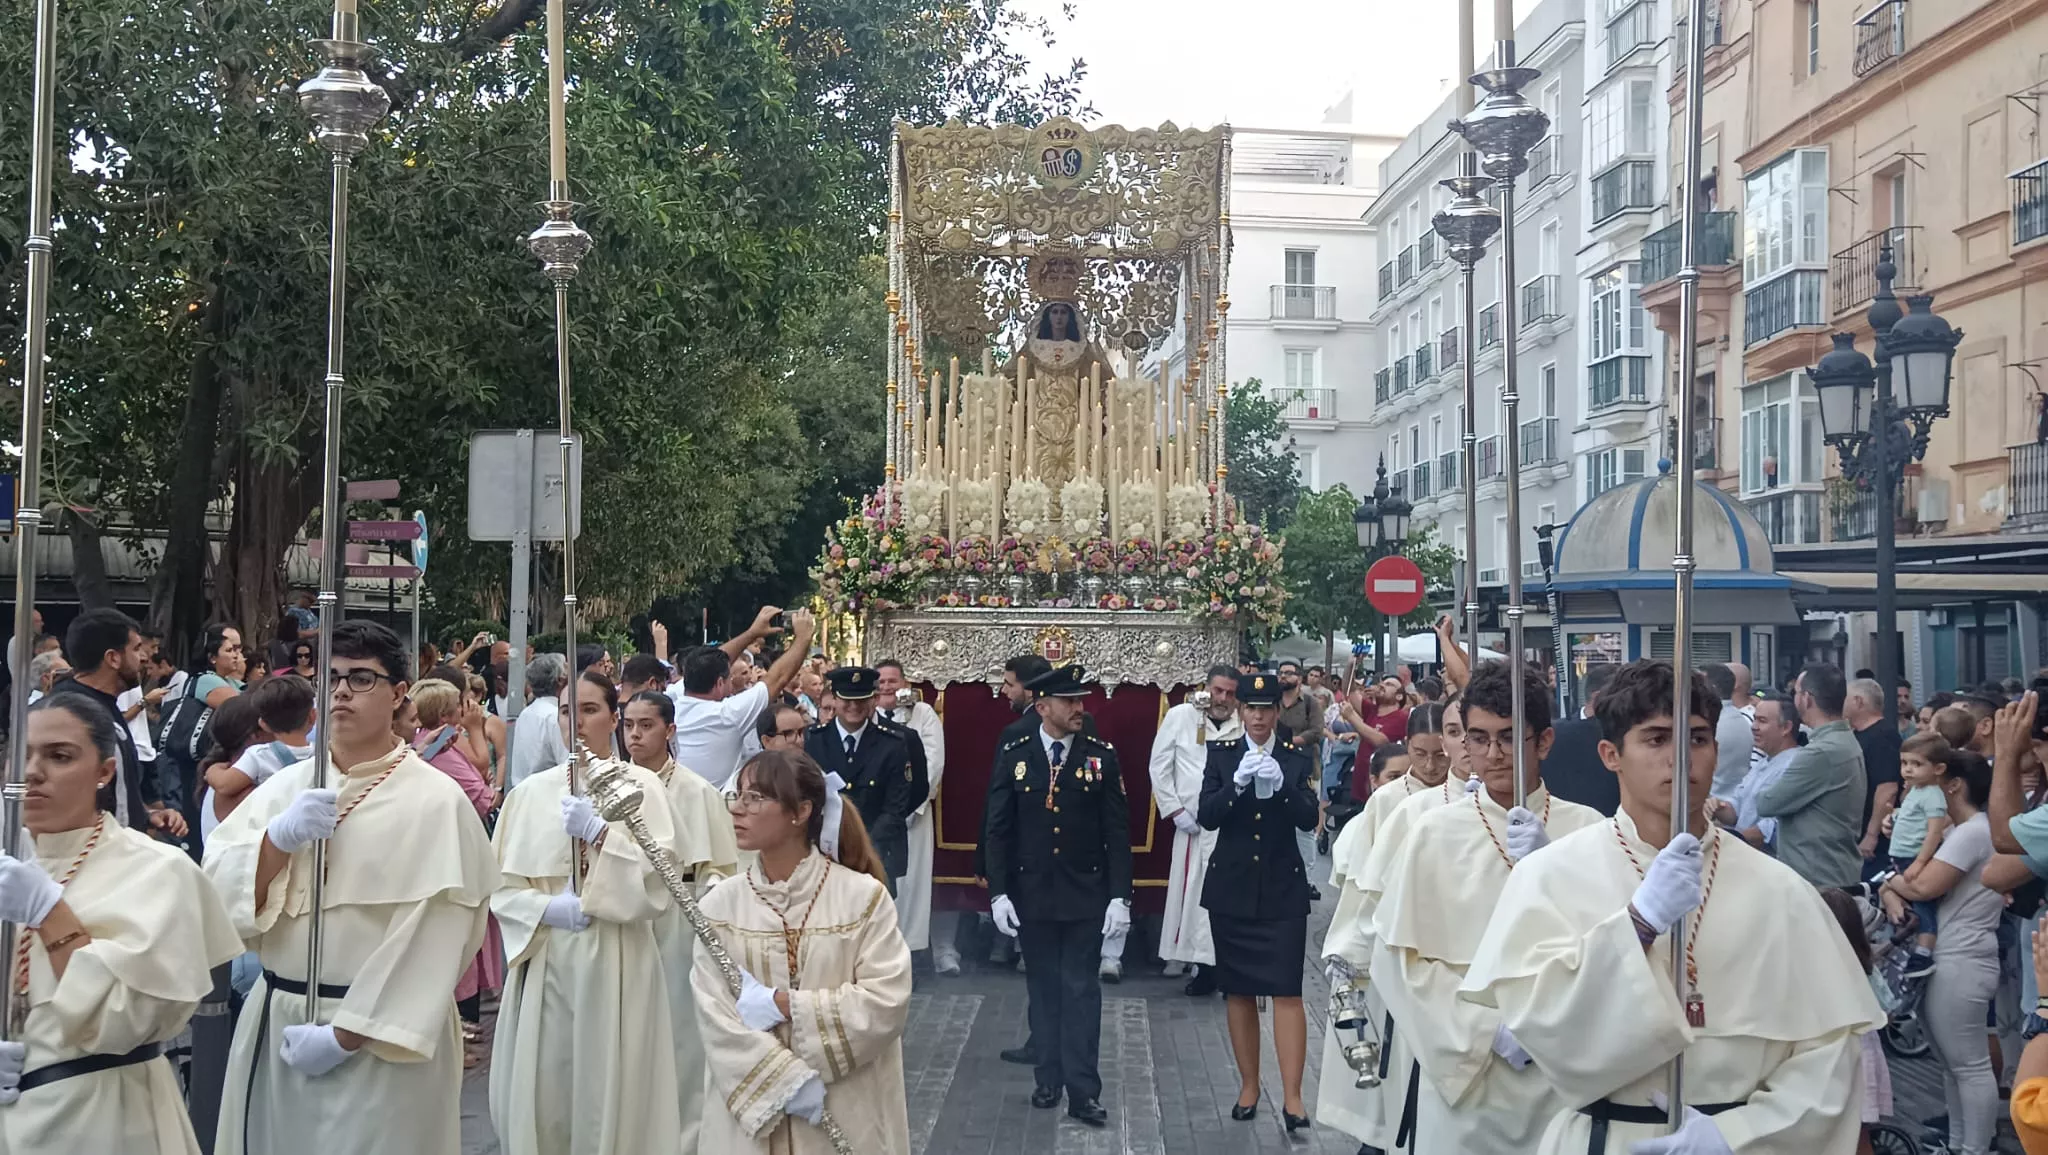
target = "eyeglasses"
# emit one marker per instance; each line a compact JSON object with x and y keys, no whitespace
{"x":1479,"y":741}
{"x":746,"y":800}
{"x":1435,"y":759}
{"x":360,"y":681}
{"x":796,"y":733}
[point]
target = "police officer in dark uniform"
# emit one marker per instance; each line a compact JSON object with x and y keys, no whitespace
{"x":1257,"y":790}
{"x":883,"y":770}
{"x":1059,"y":877}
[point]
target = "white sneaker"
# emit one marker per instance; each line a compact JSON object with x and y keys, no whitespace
{"x":1111,"y":971}
{"x":948,"y":965}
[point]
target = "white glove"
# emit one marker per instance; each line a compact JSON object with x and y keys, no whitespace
{"x":1506,"y":1047}
{"x":1338,"y":971}
{"x":1247,"y":769}
{"x":1526,"y":835}
{"x":1671,"y":887}
{"x":579,"y":818}
{"x":1004,"y":914}
{"x":565,"y":912}
{"x":312,"y":1050}
{"x":13,"y":1056}
{"x":1696,"y":1136}
{"x":27,"y":892}
{"x":808,"y":1103}
{"x":1473,"y":784}
{"x":1186,"y":824}
{"x":1117,"y":919}
{"x":757,"y":1004}
{"x":309,"y":818}
{"x":1270,"y":772}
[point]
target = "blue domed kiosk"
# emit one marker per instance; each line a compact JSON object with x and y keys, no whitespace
{"x":1613,"y":575}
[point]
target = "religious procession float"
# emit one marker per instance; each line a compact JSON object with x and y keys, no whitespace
{"x":1055,"y":472}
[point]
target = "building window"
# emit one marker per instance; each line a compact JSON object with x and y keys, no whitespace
{"x":1617,"y":314}
{"x":1622,"y":123}
{"x":1785,"y":215}
{"x":1811,"y":26}
{"x":1607,"y":468}
{"x":1781,"y":435}
{"x":1436,"y":437}
{"x":1549,"y":398}
{"x":1301,"y":368}
{"x":1301,"y":266}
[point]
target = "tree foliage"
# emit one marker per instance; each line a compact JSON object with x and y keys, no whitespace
{"x":1265,"y":476}
{"x":1325,"y":570}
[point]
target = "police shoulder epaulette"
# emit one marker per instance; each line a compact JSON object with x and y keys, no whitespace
{"x":1016,"y":742}
{"x":1099,"y":742}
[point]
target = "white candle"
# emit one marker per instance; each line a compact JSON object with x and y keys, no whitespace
{"x":558,"y":131}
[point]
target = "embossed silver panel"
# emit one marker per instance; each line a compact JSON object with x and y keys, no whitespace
{"x":1116,"y":647}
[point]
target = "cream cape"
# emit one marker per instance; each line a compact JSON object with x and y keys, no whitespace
{"x":1354,"y":844}
{"x":157,"y":930}
{"x":1785,"y":1000}
{"x":705,"y":845}
{"x":409,"y":876}
{"x":848,"y":1007}
{"x":1180,"y":755}
{"x":1441,"y":891}
{"x":914,"y":908}
{"x":583,"y":1062}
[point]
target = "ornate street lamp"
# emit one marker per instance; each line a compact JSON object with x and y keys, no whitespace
{"x":1466,"y":224}
{"x":1394,"y":511}
{"x":1367,"y":519}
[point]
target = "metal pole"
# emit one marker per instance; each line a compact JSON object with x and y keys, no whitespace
{"x":1682,"y":562}
{"x":522,"y":575}
{"x":416,"y":583}
{"x":28,"y":517}
{"x":1884,"y":313}
{"x":1468,"y":466}
{"x":343,"y":104}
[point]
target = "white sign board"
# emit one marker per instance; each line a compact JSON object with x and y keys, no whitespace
{"x":502,"y":462}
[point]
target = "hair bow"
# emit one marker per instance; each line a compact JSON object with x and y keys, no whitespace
{"x":835,"y":808}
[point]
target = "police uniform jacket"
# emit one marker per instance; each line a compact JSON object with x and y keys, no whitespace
{"x":921,"y":776}
{"x":1024,"y":726}
{"x":883,"y":780}
{"x":1255,"y":871}
{"x":1059,"y":840}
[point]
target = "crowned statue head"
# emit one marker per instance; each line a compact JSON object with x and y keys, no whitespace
{"x":1058,"y":336}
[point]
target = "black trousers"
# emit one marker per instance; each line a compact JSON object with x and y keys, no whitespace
{"x":1062,"y":977}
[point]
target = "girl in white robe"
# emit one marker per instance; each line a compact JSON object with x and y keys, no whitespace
{"x":705,"y":853}
{"x":119,"y":933}
{"x":819,"y":1025}
{"x":582,"y":1062}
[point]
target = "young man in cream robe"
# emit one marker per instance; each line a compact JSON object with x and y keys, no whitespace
{"x":583,"y":1061}
{"x":1180,"y":756}
{"x":705,"y":852}
{"x":409,"y":876}
{"x":921,"y":928}
{"x":1577,"y":961}
{"x":1477,"y":1095}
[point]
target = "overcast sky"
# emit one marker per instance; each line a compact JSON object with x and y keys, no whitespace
{"x":1269,"y":63}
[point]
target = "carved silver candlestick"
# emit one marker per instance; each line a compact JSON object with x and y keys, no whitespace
{"x":1466,"y":224}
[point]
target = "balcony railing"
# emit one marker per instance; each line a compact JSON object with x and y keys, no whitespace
{"x":1680,"y":63}
{"x":1401,"y":379}
{"x":1419,"y":482}
{"x":1788,"y":301}
{"x":1631,"y":184}
{"x":1382,"y":382}
{"x":2029,"y":481}
{"x":1489,"y":326}
{"x":1540,"y":300}
{"x":1617,"y":381}
{"x":2030,"y":204}
{"x":1304,"y":303}
{"x":1628,"y":29}
{"x":1706,"y":444}
{"x":1450,"y":474}
{"x":1487,"y":456}
{"x":1449,"y":347}
{"x":1404,"y":266}
{"x":1300,"y":403}
{"x":1425,"y":362}
{"x":1855,"y":519}
{"x":1880,"y":36}
{"x":1546,"y":161}
{"x":1539,"y":441}
{"x":1386,"y":280}
{"x":1789,"y":518}
{"x":1661,"y":249}
{"x":1427,"y":250}
{"x":1853,"y":276}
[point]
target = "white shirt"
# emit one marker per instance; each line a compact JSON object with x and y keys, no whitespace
{"x":536,"y":741}
{"x":1752,"y":785}
{"x":258,"y":762}
{"x":1046,"y":739}
{"x":711,"y":736}
{"x":138,"y":726}
{"x":1736,"y":742}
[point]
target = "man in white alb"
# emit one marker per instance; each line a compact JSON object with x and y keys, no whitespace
{"x":922,"y":928}
{"x":713,"y":722}
{"x":1179,"y":756}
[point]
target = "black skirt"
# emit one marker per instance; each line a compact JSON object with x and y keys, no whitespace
{"x":1259,"y":956}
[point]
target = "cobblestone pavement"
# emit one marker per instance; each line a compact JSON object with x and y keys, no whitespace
{"x":1168,"y":1077}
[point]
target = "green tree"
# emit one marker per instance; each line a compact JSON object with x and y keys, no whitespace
{"x":1324,"y":572}
{"x":1265,"y":476}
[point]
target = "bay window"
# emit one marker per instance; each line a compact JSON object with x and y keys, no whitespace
{"x":1785,"y":218}
{"x":1622,"y":124}
{"x":1781,"y":435}
{"x":1618,"y":322}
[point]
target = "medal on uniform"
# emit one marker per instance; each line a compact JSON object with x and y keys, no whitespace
{"x":1695,"y":1010}
{"x":1018,"y":773}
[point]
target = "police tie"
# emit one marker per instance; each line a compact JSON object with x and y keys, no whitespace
{"x":851,"y":742}
{"x":1058,"y":754}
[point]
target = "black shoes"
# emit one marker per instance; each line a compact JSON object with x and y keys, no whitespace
{"x":1294,"y":1122}
{"x":1022,"y":1056}
{"x":1203,"y":984}
{"x":1314,"y":895}
{"x":1043,"y":1097}
{"x":1242,"y":1113}
{"x":1086,"y":1110}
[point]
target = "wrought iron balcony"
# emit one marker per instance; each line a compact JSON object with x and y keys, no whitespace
{"x":1489,"y":326}
{"x":1539,"y":441}
{"x":1404,"y":266}
{"x":1425,"y":362}
{"x":1853,"y":277}
{"x":1629,"y":28}
{"x":1419,"y":481}
{"x":1381,"y":386}
{"x":2030,"y":204}
{"x":2029,"y":483}
{"x":1662,"y":257}
{"x":1540,"y":300}
{"x":1684,"y":57}
{"x":1789,"y":518}
{"x":1630,"y":184}
{"x":1300,"y":403}
{"x":1488,"y":457}
{"x":1706,"y":444}
{"x":1546,"y":161}
{"x":1450,"y":474}
{"x":1449,"y":347}
{"x":1427,"y":250}
{"x":1386,"y":280}
{"x":1304,"y":303}
{"x":1880,"y":36}
{"x":1401,"y":376}
{"x":1854,"y":518}
{"x":1787,"y":301}
{"x":1617,"y":381}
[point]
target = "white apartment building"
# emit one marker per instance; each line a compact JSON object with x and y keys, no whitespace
{"x":1418,"y":390}
{"x":1301,"y":291}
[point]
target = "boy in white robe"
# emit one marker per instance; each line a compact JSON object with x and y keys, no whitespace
{"x":1180,"y":754}
{"x":922,"y":929}
{"x":409,"y":873}
{"x":1577,"y":960}
{"x":1477,"y":1096}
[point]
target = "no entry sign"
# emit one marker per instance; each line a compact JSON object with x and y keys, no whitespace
{"x":1393,"y":586}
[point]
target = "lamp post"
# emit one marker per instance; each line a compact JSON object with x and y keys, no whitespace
{"x":1546,"y":553}
{"x":1877,"y":429}
{"x":1382,"y":524}
{"x":1466,"y":224}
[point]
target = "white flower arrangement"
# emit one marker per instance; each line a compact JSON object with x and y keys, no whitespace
{"x":1081,"y":507}
{"x":1134,"y":501}
{"x":1187,"y":510}
{"x":924,"y":505}
{"x":1029,"y":507}
{"x":974,"y":508}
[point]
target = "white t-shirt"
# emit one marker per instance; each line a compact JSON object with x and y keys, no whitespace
{"x":138,"y":726}
{"x":711,"y":737}
{"x":258,"y":762}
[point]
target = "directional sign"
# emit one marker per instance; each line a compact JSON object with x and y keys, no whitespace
{"x":373,"y":490}
{"x":419,"y":543}
{"x":385,"y":530}
{"x":388,"y":572}
{"x":1394,"y":586}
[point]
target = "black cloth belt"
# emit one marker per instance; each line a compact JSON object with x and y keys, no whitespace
{"x":1386,"y":1046}
{"x":1404,"y":1137}
{"x":296,"y":987}
{"x":86,"y":1065}
{"x":271,"y":985}
{"x":1605,"y":1111}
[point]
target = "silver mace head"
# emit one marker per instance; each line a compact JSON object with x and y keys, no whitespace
{"x":613,"y":793}
{"x":1505,"y":126}
{"x":558,"y":242}
{"x":342,"y":100}
{"x":1468,"y":222}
